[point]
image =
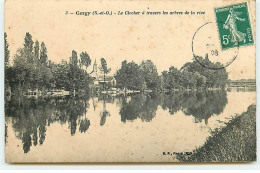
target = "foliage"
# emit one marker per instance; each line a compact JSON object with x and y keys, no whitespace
{"x":85,"y":60}
{"x":130,"y":76}
{"x":43,"y":54}
{"x":104,"y":69}
{"x":6,"y":64}
{"x":191,"y":76}
{"x":236,"y":142}
{"x":32,"y":70}
{"x":149,"y":72}
{"x":74,"y":58}
{"x":7,"y":52}
{"x":36,"y":51}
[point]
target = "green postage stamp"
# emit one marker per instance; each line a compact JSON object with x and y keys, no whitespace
{"x":234,"y":26}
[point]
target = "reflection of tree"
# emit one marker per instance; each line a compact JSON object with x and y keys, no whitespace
{"x":173,"y":102}
{"x":71,"y":110}
{"x":140,"y":106}
{"x":42,"y":133}
{"x":129,"y":109}
{"x":5,"y":133}
{"x":35,"y":137}
{"x":104,"y":113}
{"x":150,"y":105}
{"x":34,"y":115}
{"x":84,"y":125}
{"x":27,"y":142}
{"x":107,"y":98}
{"x":203,"y":105}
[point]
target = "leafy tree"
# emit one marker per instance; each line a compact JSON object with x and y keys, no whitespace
{"x":74,"y":58}
{"x":7,"y":52}
{"x":161,"y":83}
{"x":28,"y":47}
{"x":149,"y":72}
{"x":121,"y":75}
{"x":104,"y":68}
{"x":21,"y":69}
{"x":166,"y":80}
{"x":188,"y":79}
{"x":43,"y":54}
{"x":130,"y":76}
{"x":207,"y":77}
{"x":60,"y":75}
{"x":7,"y":56}
{"x":36,"y":51}
{"x":174,"y":78}
{"x":26,"y":73}
{"x":85,"y":60}
{"x":201,"y":80}
{"x":28,"y":42}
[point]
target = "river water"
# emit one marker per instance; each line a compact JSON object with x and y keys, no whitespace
{"x":133,"y":128}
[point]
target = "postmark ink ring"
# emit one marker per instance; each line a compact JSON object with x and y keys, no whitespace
{"x":206,"y":48}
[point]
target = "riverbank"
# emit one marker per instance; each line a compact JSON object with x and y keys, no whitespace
{"x":236,"y":142}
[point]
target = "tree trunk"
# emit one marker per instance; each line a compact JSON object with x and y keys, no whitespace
{"x":104,"y":81}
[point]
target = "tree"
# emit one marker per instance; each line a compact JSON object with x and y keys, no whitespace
{"x":104,"y":69}
{"x":201,"y":80}
{"x":77,"y":77}
{"x":149,"y":72}
{"x":28,"y":47}
{"x":21,"y":69}
{"x":36,"y":51}
{"x":74,"y":58}
{"x":28,"y":42}
{"x":7,"y":52}
{"x":43,"y":54}
{"x":130,"y":76}
{"x":30,"y":69}
{"x":85,"y":60}
{"x":166,"y":81}
{"x":161,"y":83}
{"x":7,"y":68}
{"x":207,"y":77}
{"x":174,"y":78}
{"x":188,"y":79}
{"x":60,"y":74}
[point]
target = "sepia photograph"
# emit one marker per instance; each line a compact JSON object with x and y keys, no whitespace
{"x":130,"y":81}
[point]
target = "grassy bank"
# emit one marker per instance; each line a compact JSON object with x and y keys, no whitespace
{"x":236,"y":142}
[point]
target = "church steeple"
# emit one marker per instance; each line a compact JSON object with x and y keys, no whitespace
{"x":94,"y":72}
{"x":95,"y":66}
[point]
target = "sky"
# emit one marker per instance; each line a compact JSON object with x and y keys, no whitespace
{"x":166,"y":40}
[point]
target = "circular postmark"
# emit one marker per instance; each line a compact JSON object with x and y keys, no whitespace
{"x":207,"y":51}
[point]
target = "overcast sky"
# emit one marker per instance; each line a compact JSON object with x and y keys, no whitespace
{"x":166,"y":40}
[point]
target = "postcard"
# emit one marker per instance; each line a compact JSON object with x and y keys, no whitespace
{"x":115,"y":81}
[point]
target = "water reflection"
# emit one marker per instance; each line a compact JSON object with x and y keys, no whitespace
{"x":204,"y":105}
{"x":139,"y":106}
{"x":104,"y":113}
{"x":32,"y":117}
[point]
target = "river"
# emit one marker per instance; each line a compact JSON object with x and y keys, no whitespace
{"x":139,"y":127}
